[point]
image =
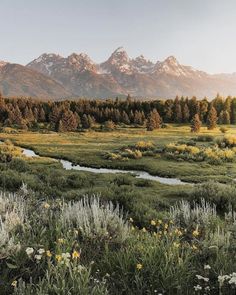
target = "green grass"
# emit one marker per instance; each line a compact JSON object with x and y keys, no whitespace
{"x":88,"y":148}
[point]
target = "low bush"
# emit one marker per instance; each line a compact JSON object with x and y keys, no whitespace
{"x":222,"y":195}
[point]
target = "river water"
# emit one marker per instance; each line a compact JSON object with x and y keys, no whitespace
{"x":138,"y":174}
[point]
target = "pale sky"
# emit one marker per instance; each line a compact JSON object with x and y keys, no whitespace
{"x":200,"y":33}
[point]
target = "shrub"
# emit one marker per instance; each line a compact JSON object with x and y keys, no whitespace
{"x":222,"y":195}
{"x":144,"y":145}
{"x":184,"y":213}
{"x":223,"y":129}
{"x":12,"y":216}
{"x":228,"y":141}
{"x":64,"y":279}
{"x":204,"y":138}
{"x":96,"y":220}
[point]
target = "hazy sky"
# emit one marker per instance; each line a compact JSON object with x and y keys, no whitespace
{"x":201,"y":33}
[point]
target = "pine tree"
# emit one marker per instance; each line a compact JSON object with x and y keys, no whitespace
{"x":196,"y":123}
{"x":153,"y":121}
{"x":68,"y":122}
{"x":178,"y":113}
{"x":109,"y":125}
{"x":125,"y":118}
{"x":186,"y":113}
{"x":212,"y":118}
{"x":224,"y":117}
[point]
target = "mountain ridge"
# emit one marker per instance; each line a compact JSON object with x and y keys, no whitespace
{"x":77,"y":75}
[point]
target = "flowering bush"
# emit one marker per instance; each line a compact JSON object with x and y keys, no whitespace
{"x":213,"y":155}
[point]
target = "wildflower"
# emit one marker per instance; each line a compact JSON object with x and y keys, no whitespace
{"x":60,"y":241}
{"x":38,"y":257}
{"x":41,"y":251}
{"x":178,"y":232}
{"x":144,"y":229}
{"x":153,"y":222}
{"x":139,"y":266}
{"x":176,"y":245}
{"x":233,"y":279}
{"x":194,"y":247}
{"x":48,"y":253}
{"x":65,"y":255}
{"x":14,"y":284}
{"x":160,"y":221}
{"x":133,"y":228}
{"x":76,"y":231}
{"x":195,"y":233}
{"x":131,"y":219}
{"x":29,"y":251}
{"x":202,"y":278}
{"x":166,"y":226}
{"x":46,"y":206}
{"x":197,"y":288}
{"x":75,"y":254}
{"x":223,"y":278}
{"x":58,"y":258}
{"x":171,"y":222}
{"x":207,"y":266}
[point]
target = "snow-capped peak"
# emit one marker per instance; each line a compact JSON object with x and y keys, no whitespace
{"x":81,"y":62}
{"x":3,"y":63}
{"x":142,"y":65}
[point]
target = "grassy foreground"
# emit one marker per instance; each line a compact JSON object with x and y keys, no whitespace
{"x":72,"y":232}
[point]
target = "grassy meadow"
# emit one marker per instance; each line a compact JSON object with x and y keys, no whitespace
{"x":75,"y":232}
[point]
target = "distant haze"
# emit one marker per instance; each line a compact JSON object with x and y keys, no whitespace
{"x":200,"y":33}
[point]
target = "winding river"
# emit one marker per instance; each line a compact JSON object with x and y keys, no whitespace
{"x":138,"y":174}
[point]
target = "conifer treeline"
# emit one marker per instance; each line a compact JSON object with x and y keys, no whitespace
{"x":71,"y":115}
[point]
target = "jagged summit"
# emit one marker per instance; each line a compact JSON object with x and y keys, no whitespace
{"x":121,"y":74}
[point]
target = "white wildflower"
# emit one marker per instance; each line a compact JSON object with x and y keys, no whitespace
{"x":41,"y":251}
{"x":29,"y":251}
{"x":232,"y":279}
{"x":202,"y":278}
{"x":222,"y":279}
{"x":38,"y":257}
{"x":197,"y":288}
{"x":207,"y":266}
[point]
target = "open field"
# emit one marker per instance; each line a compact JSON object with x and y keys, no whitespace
{"x":88,"y":148}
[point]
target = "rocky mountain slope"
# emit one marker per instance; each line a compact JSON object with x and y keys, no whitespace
{"x":18,"y":80}
{"x":120,"y":75}
{"x":52,"y":75}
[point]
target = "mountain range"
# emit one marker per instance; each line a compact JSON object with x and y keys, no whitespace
{"x":56,"y":77}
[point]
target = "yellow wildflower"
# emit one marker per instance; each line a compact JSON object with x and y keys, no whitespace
{"x":46,"y":206}
{"x":176,"y":245}
{"x":144,"y":229}
{"x":132,"y":228}
{"x":166,"y":226}
{"x":48,"y":253}
{"x":160,"y":221}
{"x":60,"y":241}
{"x":131,"y":219}
{"x":58,"y":258}
{"x":196,"y":233}
{"x":153,"y":222}
{"x":14,"y":284}
{"x":194,"y":247}
{"x":75,"y":254}
{"x":139,"y":266}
